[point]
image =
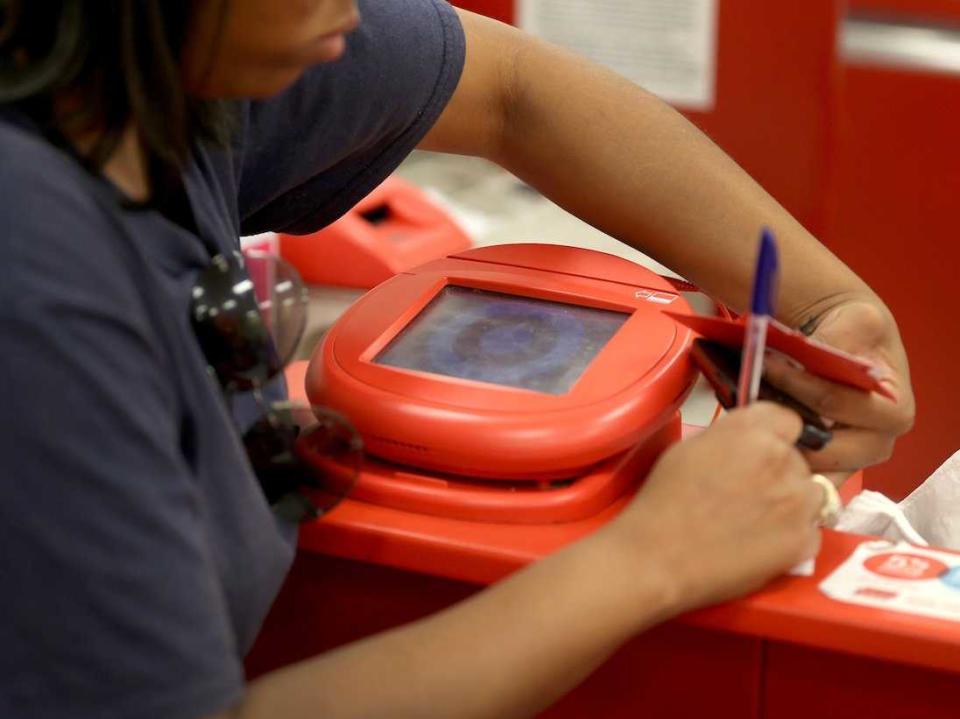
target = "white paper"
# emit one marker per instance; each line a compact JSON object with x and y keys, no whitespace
{"x":267,"y":242}
{"x":898,"y":577}
{"x":666,"y":46}
{"x":874,"y":513}
{"x":934,"y":507}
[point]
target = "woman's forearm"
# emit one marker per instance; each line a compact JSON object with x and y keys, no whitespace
{"x":626,"y":162}
{"x":509,"y":651}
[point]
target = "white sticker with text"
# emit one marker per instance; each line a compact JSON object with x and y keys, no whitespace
{"x":899,"y":577}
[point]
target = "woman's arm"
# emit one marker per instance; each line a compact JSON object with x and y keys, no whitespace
{"x":690,"y":538}
{"x":627,"y":163}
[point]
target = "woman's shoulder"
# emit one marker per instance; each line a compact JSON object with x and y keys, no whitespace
{"x":51,"y":223}
{"x":35,"y":173}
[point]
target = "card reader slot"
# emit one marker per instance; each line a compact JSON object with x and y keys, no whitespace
{"x":721,"y":367}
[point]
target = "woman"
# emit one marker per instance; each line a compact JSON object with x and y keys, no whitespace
{"x":138,"y":139}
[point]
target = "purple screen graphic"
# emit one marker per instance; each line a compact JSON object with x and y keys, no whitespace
{"x":503,"y":339}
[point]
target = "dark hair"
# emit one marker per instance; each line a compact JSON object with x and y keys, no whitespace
{"x":118,"y":61}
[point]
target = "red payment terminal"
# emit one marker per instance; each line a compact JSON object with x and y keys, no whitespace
{"x":511,"y":362}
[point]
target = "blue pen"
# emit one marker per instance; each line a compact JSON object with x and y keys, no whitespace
{"x":761,"y":310}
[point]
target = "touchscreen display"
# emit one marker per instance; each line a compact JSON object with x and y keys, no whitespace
{"x":503,"y":339}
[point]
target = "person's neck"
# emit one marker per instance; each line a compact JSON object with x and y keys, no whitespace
{"x":126,"y":168}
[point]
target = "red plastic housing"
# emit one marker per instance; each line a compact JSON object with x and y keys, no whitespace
{"x":631,"y":388}
{"x":394,"y":228}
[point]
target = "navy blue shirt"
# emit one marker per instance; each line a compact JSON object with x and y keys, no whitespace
{"x":138,"y":556}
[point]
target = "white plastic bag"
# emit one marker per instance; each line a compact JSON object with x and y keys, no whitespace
{"x":930,"y":515}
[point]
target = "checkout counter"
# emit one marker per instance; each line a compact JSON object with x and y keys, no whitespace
{"x":409,"y":542}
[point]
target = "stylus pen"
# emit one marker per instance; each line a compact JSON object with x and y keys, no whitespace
{"x":761,"y":309}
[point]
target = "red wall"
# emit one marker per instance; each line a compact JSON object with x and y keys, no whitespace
{"x":775,"y":88}
{"x":894,"y":219}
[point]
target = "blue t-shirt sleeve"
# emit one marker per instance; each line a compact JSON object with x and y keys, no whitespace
{"x":109,"y":602}
{"x":310,"y":154}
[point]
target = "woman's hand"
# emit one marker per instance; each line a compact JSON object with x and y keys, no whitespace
{"x":727,"y":510}
{"x":867,"y":424}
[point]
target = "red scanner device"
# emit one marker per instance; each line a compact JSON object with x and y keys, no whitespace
{"x":393,"y":229}
{"x":516,"y":383}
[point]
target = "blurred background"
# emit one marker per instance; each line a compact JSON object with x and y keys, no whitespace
{"x":847,"y":111}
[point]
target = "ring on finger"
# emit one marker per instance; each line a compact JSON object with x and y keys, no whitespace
{"x":831,"y":505}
